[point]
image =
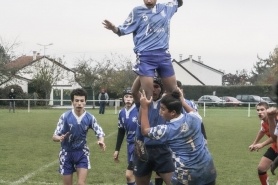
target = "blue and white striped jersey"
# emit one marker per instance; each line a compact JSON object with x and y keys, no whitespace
{"x":128,"y":119}
{"x":78,"y":128}
{"x":183,"y":135}
{"x":150,"y":27}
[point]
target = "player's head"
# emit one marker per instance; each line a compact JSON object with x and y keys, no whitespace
{"x":150,"y":3}
{"x":12,"y":90}
{"x":127,"y":97}
{"x":170,"y":105}
{"x":262,"y":110}
{"x":102,"y":90}
{"x":78,"y":92}
{"x":158,"y":89}
{"x":78,"y":100}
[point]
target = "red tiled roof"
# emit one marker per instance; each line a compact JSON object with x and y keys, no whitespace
{"x":21,"y":62}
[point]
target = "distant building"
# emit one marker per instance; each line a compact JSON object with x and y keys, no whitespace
{"x":26,"y":67}
{"x":192,"y":72}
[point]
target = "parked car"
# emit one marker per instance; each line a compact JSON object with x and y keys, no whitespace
{"x":211,"y":100}
{"x":252,"y":99}
{"x":232,"y":101}
{"x":269,"y":101}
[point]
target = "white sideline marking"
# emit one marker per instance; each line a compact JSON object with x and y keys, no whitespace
{"x":26,"y":177}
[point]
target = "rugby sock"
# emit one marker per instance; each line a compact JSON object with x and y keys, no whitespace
{"x":130,"y":183}
{"x":263,"y":178}
{"x":158,"y":181}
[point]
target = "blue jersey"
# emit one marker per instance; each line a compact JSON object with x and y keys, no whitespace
{"x":128,"y":119}
{"x":183,"y":135}
{"x":78,"y":128}
{"x":150,"y":27}
{"x":154,"y":120}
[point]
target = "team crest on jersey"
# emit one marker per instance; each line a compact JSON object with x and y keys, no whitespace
{"x":145,"y":17}
{"x":184,"y":127}
{"x":163,"y":13}
{"x":134,"y":119}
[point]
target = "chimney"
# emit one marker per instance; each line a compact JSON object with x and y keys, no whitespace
{"x":38,"y":54}
{"x":199,"y":58}
{"x":34,"y":55}
{"x":190,"y":58}
{"x":180,"y":57}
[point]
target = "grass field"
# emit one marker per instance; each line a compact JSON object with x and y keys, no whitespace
{"x":29,"y":156}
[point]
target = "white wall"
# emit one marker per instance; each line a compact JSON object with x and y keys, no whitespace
{"x":205,"y":74}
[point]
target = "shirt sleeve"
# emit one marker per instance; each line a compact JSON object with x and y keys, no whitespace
{"x":157,"y":132}
{"x":97,"y":129}
{"x":276,"y":129}
{"x":130,"y":25}
{"x":60,"y":126}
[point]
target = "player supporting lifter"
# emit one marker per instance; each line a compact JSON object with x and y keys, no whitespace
{"x":127,"y":124}
{"x":150,"y":26}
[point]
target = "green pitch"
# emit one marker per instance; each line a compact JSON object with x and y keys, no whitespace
{"x":29,"y":156}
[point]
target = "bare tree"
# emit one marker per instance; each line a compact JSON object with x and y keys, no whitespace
{"x":265,"y":71}
{"x":7,"y":55}
{"x":113,"y":73}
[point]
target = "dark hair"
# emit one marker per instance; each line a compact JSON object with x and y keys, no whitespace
{"x":179,"y":84}
{"x":78,"y":92}
{"x":172,"y":101}
{"x":265,"y":104}
{"x":158,"y":81}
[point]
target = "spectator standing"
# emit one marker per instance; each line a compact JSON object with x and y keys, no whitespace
{"x":12,"y":101}
{"x":103,"y":100}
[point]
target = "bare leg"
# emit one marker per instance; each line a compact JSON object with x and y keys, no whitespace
{"x":129,"y":176}
{"x":67,"y":179}
{"x":82,"y":175}
{"x":169,"y":83}
{"x":144,"y":180}
{"x":147,"y":85}
{"x":166,"y":177}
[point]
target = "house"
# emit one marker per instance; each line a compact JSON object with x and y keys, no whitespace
{"x":192,"y":72}
{"x":27,"y":67}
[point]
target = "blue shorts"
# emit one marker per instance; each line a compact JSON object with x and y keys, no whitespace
{"x":130,"y":151}
{"x":149,"y":61}
{"x":69,"y":161}
{"x":160,"y":161}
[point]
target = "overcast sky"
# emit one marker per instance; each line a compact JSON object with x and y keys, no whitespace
{"x":227,"y":34}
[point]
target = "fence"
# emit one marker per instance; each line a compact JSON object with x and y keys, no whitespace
{"x":117,"y":104}
{"x":45,"y":102}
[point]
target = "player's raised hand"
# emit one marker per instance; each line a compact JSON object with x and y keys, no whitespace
{"x":110,"y":26}
{"x":62,"y":137}
{"x":102,"y":145}
{"x":144,"y":102}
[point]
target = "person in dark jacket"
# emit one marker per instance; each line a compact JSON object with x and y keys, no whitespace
{"x":12,"y":101}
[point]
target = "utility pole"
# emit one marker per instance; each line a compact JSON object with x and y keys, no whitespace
{"x":44,"y":47}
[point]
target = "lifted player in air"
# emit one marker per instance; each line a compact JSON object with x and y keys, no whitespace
{"x":150,"y":26}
